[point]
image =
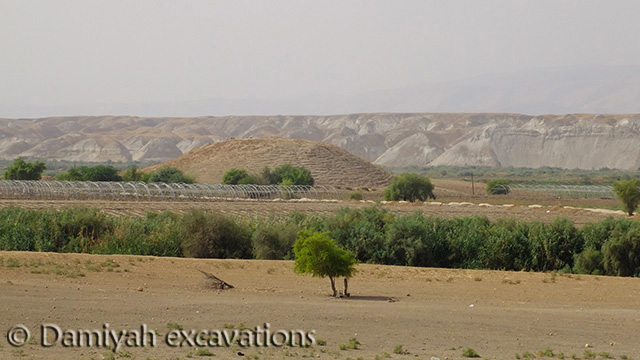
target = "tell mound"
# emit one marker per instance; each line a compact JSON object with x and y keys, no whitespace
{"x":328,"y":164}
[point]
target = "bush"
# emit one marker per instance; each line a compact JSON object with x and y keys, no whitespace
{"x":589,"y":261}
{"x":233,"y":176}
{"x":507,"y":246}
{"x":498,"y":187}
{"x":554,"y":246}
{"x":288,"y":174}
{"x":274,"y":241}
{"x":356,"y":195}
{"x":467,"y":241}
{"x":409,"y":187}
{"x":155,"y":234}
{"x":68,"y":230}
{"x":133,"y":174}
{"x":170,"y":174}
{"x":22,"y":170}
{"x":622,"y":253}
{"x":210,"y":235}
{"x":95,"y":173}
{"x":628,"y":191}
{"x":73,"y":174}
{"x":414,"y":240}
{"x":361,"y":231}
{"x":102,"y":173}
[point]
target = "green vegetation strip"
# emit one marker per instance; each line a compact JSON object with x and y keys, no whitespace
{"x":372,"y":234}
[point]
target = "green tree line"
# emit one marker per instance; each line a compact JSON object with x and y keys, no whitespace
{"x":372,"y":234}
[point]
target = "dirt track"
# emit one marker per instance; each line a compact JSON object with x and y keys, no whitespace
{"x":432,"y":312}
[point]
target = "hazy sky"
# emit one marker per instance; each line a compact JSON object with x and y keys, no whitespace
{"x":63,"y":52}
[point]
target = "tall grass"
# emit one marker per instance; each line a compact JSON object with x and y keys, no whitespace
{"x":374,"y":234}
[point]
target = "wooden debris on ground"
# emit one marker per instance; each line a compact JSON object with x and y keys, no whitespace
{"x":214,"y":282}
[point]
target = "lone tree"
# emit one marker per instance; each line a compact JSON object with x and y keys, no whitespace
{"x":319,"y":255}
{"x":22,"y":170}
{"x":409,"y":187}
{"x":629,"y":193}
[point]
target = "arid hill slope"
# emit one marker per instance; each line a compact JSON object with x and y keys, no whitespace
{"x":328,"y":164}
{"x":584,"y":141}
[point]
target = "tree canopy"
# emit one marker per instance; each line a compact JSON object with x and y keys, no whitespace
{"x":498,"y":187}
{"x":133,"y":174}
{"x":22,"y":170}
{"x":93,"y":173}
{"x":628,"y":191}
{"x":170,"y":174}
{"x":286,"y":174}
{"x":319,"y":255}
{"x":409,"y":187}
{"x":234,"y":176}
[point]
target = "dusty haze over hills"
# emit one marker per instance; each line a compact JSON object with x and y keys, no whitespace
{"x":289,"y":57}
{"x":585,"y":141}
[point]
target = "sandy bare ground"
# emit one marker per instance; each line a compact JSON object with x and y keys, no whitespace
{"x":430,"y":312}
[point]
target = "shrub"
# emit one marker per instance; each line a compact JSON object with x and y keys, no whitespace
{"x":170,"y":174}
{"x":498,"y":187}
{"x":589,"y":261}
{"x":274,"y":240}
{"x":319,"y":255}
{"x":507,"y":246}
{"x":95,"y":173}
{"x":155,"y":234}
{"x":74,"y":174}
{"x":596,"y":234}
{"x":133,"y":174}
{"x":361,"y":231}
{"x":22,"y":170}
{"x":234,"y":176}
{"x":470,"y":353}
{"x":467,"y":241}
{"x":622,"y":253}
{"x":356,"y":195}
{"x":102,"y":173}
{"x":409,"y":187}
{"x":628,"y":191}
{"x":288,"y":174}
{"x":555,"y":245}
{"x":413,"y":240}
{"x":210,"y":235}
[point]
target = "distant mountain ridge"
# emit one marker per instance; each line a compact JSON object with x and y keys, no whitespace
{"x":585,"y":141}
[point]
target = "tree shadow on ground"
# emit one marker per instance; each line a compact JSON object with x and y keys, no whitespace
{"x":370,"y":298}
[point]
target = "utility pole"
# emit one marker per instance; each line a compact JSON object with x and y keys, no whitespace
{"x":473,"y":188}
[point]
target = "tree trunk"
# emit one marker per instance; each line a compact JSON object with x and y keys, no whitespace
{"x":346,"y":286}
{"x":333,"y":285}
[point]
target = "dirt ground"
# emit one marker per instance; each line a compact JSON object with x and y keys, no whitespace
{"x":430,"y":312}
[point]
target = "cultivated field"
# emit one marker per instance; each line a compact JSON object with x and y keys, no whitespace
{"x":430,"y":312}
{"x":267,"y":209}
